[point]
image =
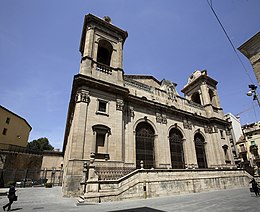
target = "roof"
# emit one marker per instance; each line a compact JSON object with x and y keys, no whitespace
{"x":16,"y":116}
{"x":143,"y":77}
{"x":247,"y":47}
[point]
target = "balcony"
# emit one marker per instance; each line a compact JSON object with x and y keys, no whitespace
{"x":104,"y":68}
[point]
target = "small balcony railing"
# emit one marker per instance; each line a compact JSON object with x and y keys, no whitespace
{"x":104,"y":68}
{"x":113,"y":173}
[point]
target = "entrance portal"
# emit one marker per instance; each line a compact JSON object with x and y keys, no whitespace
{"x":200,"y":150}
{"x":177,"y":157}
{"x":144,"y":145}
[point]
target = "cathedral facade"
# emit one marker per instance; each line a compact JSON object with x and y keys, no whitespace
{"x":122,"y":121}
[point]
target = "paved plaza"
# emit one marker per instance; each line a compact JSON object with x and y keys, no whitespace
{"x":50,"y":199}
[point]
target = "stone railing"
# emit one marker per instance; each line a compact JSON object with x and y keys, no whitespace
{"x":144,"y":183}
{"x":194,"y":104}
{"x":104,"y":68}
{"x":138,"y":85}
{"x":112,"y":173}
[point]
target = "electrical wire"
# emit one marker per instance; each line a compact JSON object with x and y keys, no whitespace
{"x":225,"y":32}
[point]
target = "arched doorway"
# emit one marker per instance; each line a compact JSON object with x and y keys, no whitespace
{"x":144,"y":145}
{"x":200,"y":150}
{"x":176,"y":148}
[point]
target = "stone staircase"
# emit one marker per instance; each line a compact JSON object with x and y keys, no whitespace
{"x":144,"y":183}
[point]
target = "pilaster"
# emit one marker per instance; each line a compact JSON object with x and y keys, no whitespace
{"x":79,"y":126}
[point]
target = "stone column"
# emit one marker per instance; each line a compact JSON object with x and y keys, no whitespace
{"x":119,"y":64}
{"x":94,"y":140}
{"x":215,"y":140}
{"x":106,"y":141}
{"x":87,"y":54}
{"x":79,"y":126}
{"x":192,"y":157}
{"x":216,"y":99}
{"x":92,"y":182}
{"x":89,"y":40}
{"x":156,"y":152}
{"x":206,"y":99}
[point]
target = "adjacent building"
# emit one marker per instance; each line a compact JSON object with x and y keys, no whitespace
{"x":250,"y":144}
{"x":14,"y":130}
{"x":235,"y":135}
{"x":127,"y":122}
{"x":251,"y":49}
{"x":52,"y":166}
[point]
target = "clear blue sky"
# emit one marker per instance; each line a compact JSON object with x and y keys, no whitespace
{"x":39,"y":42}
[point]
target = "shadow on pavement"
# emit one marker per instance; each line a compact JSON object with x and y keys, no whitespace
{"x":16,"y":209}
{"x":142,"y":209}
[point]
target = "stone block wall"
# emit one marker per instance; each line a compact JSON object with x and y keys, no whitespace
{"x":154,"y":183}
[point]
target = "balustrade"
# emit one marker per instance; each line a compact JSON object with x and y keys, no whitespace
{"x":112,"y":173}
{"x":103,"y":68}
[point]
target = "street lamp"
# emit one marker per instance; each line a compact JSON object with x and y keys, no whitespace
{"x":253,"y":93}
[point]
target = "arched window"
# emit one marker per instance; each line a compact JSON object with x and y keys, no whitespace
{"x":196,"y":98}
{"x":144,"y":145}
{"x":200,"y":150}
{"x":225,"y":149}
{"x":104,"y":52}
{"x":176,"y":148}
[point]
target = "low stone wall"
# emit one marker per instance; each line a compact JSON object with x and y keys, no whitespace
{"x":154,"y":183}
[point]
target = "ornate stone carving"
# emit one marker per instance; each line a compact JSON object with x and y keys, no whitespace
{"x":131,"y":111}
{"x":82,"y":96}
{"x":158,"y":117}
{"x":187,"y":124}
{"x":207,"y":129}
{"x":161,"y":118}
{"x":170,"y":89}
{"x":164,"y":119}
{"x":215,"y":129}
{"x":228,"y":132}
{"x":119,"y":104}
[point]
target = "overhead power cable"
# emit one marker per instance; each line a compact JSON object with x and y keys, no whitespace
{"x":212,"y":9}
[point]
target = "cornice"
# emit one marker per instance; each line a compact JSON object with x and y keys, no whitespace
{"x":172,"y":109}
{"x":83,"y":80}
{"x":249,"y":44}
{"x":194,"y":83}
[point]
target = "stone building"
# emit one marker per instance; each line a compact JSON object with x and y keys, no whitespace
{"x":118,"y":123}
{"x":251,"y":49}
{"x":250,"y":145}
{"x":235,"y":135}
{"x":52,"y":166}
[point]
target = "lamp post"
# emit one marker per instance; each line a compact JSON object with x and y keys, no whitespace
{"x":253,"y":93}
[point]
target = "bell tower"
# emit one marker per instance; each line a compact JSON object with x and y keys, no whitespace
{"x":101,"y":48}
{"x":202,"y":90}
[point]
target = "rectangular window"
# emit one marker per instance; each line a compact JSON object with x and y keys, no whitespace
{"x":100,"y":145}
{"x":4,"y":131}
{"x":102,"y":107}
{"x":7,"y":120}
{"x":221,"y":134}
